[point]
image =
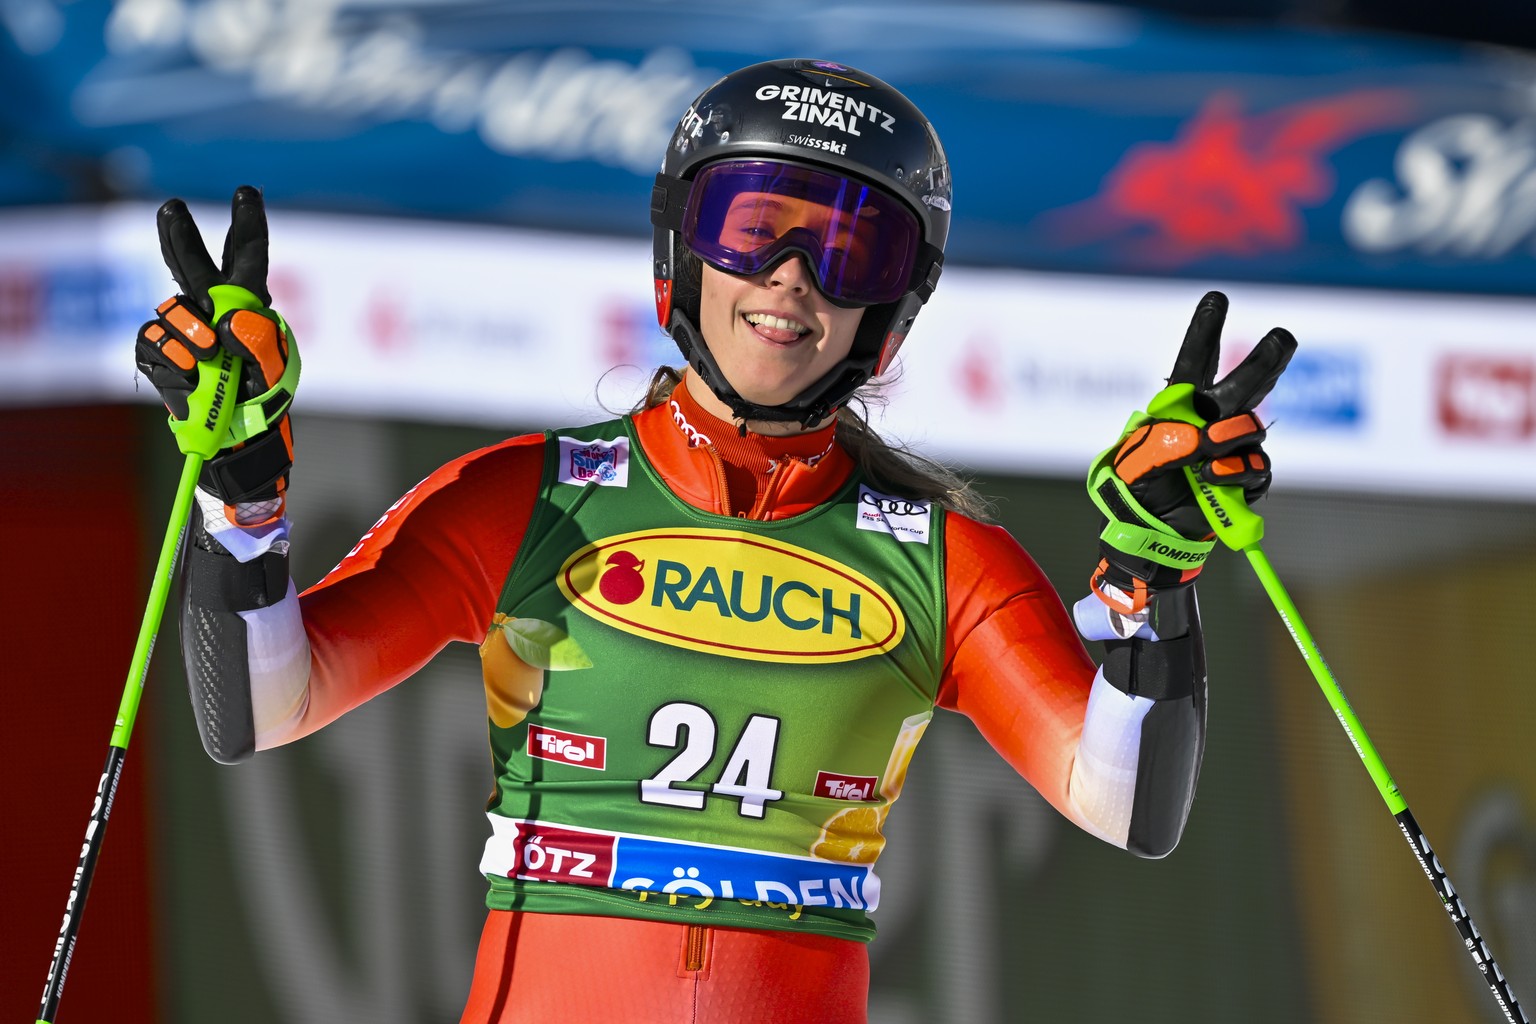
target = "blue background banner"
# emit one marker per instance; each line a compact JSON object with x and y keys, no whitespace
{"x":1082,"y":139}
{"x":1110,"y":167}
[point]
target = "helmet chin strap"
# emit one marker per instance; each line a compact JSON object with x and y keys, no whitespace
{"x":808,"y":408}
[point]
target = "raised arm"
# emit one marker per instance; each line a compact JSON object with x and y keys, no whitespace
{"x":1117,"y":750}
{"x":264,"y":665}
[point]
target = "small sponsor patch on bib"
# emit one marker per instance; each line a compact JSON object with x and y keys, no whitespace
{"x":548,"y":852}
{"x":906,"y":519}
{"x":567,"y":747}
{"x":605,"y":463}
{"x":846,"y":787}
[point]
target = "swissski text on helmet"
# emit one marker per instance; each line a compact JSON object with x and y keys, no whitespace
{"x":815,"y":136}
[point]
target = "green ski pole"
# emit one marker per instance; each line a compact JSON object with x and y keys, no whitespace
{"x":1241,"y":529}
{"x":199,"y":436}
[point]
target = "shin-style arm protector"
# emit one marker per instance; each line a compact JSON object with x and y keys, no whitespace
{"x":243,"y":641}
{"x":1144,"y":733}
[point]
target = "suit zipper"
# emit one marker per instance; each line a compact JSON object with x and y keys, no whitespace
{"x":764,"y":500}
{"x":725,"y":488}
{"x":693,"y":959}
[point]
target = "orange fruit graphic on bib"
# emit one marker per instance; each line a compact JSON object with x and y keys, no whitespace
{"x":854,"y":835}
{"x":513,"y":658}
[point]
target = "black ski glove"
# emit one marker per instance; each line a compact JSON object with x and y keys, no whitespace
{"x":1157,"y":538}
{"x":227,"y":307}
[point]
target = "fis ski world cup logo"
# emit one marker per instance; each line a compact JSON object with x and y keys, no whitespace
{"x":604,"y":463}
{"x":734,"y":594}
{"x":906,"y":519}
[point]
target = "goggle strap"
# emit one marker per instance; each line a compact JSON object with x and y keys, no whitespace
{"x":669,"y":200}
{"x":930,"y":264}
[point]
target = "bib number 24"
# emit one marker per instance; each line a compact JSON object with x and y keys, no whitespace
{"x":692,"y":731}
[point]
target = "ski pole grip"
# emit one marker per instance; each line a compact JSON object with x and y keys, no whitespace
{"x":1237,"y":526}
{"x":1234,"y":523}
{"x":211,"y":406}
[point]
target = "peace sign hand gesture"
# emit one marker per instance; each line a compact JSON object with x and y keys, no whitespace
{"x":1157,"y":536}
{"x":223,"y":309}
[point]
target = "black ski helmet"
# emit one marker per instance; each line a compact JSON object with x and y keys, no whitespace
{"x":816,"y":114}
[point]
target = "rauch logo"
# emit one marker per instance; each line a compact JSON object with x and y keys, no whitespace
{"x":734,"y":594}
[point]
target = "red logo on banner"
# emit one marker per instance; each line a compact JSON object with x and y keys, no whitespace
{"x":20,"y":300}
{"x":549,"y":853}
{"x":1488,"y":397}
{"x":1229,"y":183}
{"x":386,"y":322}
{"x":845,"y":787}
{"x":567,"y":747}
{"x":980,"y":373}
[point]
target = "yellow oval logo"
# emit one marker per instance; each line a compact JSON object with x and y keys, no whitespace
{"x":734,"y":594}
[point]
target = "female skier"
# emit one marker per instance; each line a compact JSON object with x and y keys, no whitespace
{"x":713,"y":631}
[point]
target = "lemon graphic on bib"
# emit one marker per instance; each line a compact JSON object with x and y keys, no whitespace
{"x":853,"y":835}
{"x":513,"y":658}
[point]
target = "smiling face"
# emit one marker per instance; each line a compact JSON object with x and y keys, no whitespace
{"x":772,"y":334}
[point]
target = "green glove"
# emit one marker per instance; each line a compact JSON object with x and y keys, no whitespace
{"x":223,"y":311}
{"x":1156,"y":537}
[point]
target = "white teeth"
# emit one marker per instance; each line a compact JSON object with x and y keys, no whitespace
{"x":777,"y":322}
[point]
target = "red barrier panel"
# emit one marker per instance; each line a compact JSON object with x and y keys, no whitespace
{"x":76,"y":580}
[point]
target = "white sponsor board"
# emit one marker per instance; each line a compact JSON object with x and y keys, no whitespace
{"x":1399,"y":392}
{"x":393,"y":318}
{"x":1005,"y":371}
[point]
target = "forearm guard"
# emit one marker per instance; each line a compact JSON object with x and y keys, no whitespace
{"x":1171,"y":672}
{"x":216,"y":589}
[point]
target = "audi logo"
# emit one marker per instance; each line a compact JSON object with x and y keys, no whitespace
{"x":895,"y":506}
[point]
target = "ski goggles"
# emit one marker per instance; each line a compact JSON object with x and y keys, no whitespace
{"x":861,"y":243}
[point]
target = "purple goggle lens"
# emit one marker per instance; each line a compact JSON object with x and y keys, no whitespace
{"x":861,"y":243}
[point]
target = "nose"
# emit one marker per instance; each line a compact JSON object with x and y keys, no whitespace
{"x":792,"y":272}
